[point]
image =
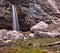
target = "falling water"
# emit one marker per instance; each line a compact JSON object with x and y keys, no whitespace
{"x":15,"y":19}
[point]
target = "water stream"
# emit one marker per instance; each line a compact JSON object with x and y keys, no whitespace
{"x":15,"y":19}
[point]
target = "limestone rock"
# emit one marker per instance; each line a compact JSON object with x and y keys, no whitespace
{"x":46,"y":34}
{"x":39,"y":26}
{"x":3,"y":33}
{"x":14,"y":35}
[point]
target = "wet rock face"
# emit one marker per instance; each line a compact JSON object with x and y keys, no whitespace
{"x":30,"y":15}
{"x":4,"y":2}
{"x":5,"y":15}
{"x":30,"y":12}
{"x":38,"y":10}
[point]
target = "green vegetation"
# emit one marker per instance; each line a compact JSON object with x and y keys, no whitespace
{"x":32,"y":46}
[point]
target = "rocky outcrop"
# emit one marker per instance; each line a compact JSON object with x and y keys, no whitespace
{"x":29,"y":12}
{"x":42,"y":29}
{"x":38,"y":10}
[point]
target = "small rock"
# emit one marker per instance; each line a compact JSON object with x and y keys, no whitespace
{"x":26,"y":37}
{"x":31,"y":35}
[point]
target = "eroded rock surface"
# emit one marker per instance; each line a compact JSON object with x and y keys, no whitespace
{"x":30,"y":12}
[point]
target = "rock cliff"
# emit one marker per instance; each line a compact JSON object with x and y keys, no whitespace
{"x":29,"y":13}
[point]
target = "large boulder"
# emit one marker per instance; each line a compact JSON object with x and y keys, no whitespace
{"x":39,"y":26}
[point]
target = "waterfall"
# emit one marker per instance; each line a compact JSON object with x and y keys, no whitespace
{"x":15,"y":19}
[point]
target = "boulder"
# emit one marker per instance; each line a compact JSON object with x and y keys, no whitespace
{"x":3,"y":33}
{"x":39,"y":26}
{"x":46,"y":34}
{"x":41,"y":35}
{"x":14,"y":35}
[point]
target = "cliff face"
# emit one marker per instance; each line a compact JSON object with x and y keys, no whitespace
{"x":29,"y":12}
